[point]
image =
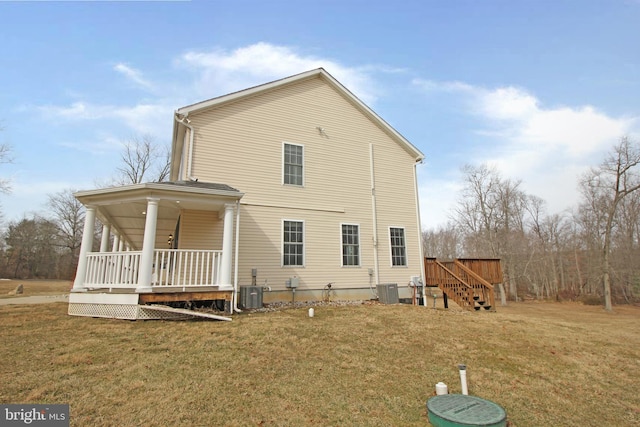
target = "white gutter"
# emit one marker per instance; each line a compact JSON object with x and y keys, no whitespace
{"x":184,"y":121}
{"x":375,"y":215}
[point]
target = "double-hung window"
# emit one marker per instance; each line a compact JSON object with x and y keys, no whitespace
{"x":293,"y":243}
{"x":350,"y":245}
{"x":293,"y":164}
{"x":398,"y":247}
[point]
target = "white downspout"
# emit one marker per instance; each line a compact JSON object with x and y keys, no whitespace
{"x":184,"y":121}
{"x":375,"y":215}
{"x":235,"y":269}
{"x":421,"y":251}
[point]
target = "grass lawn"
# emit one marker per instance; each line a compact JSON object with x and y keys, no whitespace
{"x":367,"y":365}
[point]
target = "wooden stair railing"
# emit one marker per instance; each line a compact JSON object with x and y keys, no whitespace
{"x":453,"y":286}
{"x":483,"y":290}
{"x":458,"y":282}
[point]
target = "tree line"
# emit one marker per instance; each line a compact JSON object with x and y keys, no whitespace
{"x":591,"y":252}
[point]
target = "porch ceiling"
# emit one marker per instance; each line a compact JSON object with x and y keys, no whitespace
{"x":124,"y":208}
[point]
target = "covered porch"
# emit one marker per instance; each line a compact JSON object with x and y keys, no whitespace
{"x":143,"y":259}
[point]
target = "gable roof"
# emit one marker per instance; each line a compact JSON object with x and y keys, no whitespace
{"x":183,"y":113}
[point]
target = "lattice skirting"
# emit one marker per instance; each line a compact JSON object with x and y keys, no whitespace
{"x":122,"y":311}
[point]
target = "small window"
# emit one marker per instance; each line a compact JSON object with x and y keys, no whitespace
{"x":293,"y":243}
{"x":398,"y":247}
{"x":293,"y":161}
{"x":350,"y":245}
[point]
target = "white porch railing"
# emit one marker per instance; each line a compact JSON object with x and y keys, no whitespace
{"x":171,"y":268}
{"x":112,"y":269}
{"x":180,"y":267}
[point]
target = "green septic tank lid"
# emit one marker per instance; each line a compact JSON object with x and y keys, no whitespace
{"x":452,"y":410}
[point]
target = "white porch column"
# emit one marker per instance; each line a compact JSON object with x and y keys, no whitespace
{"x":85,"y":248}
{"x":148,"y":246}
{"x":106,"y":229}
{"x":227,"y":246}
{"x":116,"y":242}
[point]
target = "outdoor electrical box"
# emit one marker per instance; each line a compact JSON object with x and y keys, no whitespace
{"x":292,"y":282}
{"x":250,"y":297}
{"x":388,"y":293}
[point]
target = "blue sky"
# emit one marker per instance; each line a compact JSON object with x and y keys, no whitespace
{"x":539,"y":89}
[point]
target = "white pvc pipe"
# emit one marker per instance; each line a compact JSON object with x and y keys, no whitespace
{"x":463,"y":378}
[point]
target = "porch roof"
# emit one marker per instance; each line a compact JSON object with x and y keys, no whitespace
{"x":124,"y":207}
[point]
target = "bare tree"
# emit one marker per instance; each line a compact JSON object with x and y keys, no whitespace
{"x":143,"y":161}
{"x":443,"y":243}
{"x":604,"y":189}
{"x":626,"y":247}
{"x":68,"y":216}
{"x":490,"y":214}
{"x":5,"y":157}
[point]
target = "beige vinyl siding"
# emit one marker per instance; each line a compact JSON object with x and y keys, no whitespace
{"x":240,"y":144}
{"x":200,"y":230}
{"x":395,"y":194}
{"x":245,"y":140}
{"x":261,"y":248}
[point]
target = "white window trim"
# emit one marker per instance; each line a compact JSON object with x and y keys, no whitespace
{"x":359,"y":246}
{"x":304,"y":243}
{"x":303,"y":164}
{"x":406,"y":253}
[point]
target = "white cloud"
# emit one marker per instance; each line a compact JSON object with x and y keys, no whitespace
{"x":221,"y":71}
{"x":76,"y":111}
{"x":546,"y":147}
{"x":133,"y":75}
{"x":143,"y":118}
{"x":517,"y":118}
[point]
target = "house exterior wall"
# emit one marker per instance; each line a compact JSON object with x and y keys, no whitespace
{"x":200,"y":230}
{"x":241,"y":144}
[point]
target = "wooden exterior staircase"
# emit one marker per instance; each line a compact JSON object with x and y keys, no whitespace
{"x":468,"y":282}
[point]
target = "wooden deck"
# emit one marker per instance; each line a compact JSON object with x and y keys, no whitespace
{"x":467,"y":281}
